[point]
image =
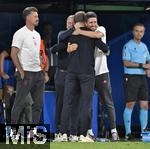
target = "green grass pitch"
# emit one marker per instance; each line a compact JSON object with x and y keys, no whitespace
{"x":101,"y":145}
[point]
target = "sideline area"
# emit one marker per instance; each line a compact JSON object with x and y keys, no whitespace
{"x":102,"y":145}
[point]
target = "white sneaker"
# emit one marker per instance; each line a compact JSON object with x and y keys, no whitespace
{"x":85,"y":139}
{"x":64,"y":138}
{"x":58,"y":137}
{"x":115,"y":136}
{"x":73,"y":138}
{"x":90,"y":134}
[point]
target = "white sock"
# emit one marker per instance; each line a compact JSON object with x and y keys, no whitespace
{"x":91,"y":132}
{"x":114,"y":130}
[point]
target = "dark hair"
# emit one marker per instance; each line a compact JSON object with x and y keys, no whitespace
{"x":28,"y":10}
{"x":80,"y":16}
{"x":138,"y":24}
{"x":91,"y":14}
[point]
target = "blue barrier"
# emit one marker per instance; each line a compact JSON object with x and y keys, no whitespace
{"x":49,"y":111}
{"x":95,"y":114}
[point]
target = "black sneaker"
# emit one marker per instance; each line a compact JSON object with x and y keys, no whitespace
{"x":147,"y":129}
{"x":129,"y":137}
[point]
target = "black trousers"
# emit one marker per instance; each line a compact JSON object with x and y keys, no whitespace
{"x":60,"y":87}
{"x":103,"y":86}
{"x":33,"y":84}
{"x":83,"y":86}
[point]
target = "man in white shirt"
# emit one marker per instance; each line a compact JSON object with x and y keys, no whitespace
{"x":102,"y":80}
{"x":26,"y":57}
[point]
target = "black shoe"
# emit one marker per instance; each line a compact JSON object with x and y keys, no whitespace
{"x":147,"y":129}
{"x":129,"y":137}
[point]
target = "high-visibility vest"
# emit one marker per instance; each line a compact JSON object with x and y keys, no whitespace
{"x":43,"y":55}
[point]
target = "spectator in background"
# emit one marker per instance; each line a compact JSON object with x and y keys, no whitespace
{"x":7,"y":81}
{"x":136,"y":59}
{"x":46,"y":36}
{"x":3,"y":55}
{"x":46,"y":42}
